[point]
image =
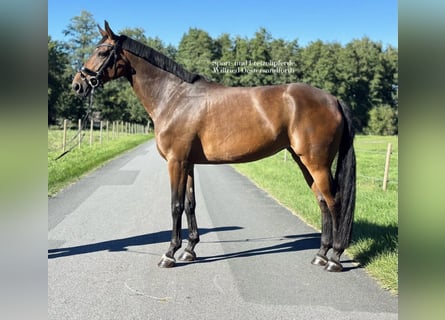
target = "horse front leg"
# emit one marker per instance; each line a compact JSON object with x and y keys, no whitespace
{"x":178,"y":177}
{"x":190,"y":205}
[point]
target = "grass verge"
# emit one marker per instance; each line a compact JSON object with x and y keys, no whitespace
{"x":375,"y":234}
{"x":82,"y":160}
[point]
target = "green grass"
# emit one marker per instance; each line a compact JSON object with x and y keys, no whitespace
{"x":82,"y":160}
{"x":375,"y":234}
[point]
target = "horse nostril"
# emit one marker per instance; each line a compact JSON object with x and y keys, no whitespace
{"x":77,"y":87}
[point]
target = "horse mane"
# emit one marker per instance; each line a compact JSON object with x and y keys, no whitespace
{"x":158,"y":59}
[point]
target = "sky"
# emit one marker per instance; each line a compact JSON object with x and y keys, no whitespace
{"x":304,"y":20}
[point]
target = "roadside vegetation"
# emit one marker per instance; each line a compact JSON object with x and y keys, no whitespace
{"x":375,"y":232}
{"x":82,"y":160}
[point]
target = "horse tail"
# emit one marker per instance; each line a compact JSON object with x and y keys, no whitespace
{"x":345,"y":178}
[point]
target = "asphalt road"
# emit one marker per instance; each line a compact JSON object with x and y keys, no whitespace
{"x":107,"y":232}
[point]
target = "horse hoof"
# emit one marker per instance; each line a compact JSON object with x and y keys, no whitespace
{"x":187,"y":256}
{"x":333,"y":266}
{"x":319,"y":260}
{"x":166,"y":262}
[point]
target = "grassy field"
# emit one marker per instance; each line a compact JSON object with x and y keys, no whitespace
{"x":375,"y":233}
{"x":84,"y":159}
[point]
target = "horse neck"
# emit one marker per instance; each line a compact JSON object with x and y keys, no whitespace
{"x":153,"y":86}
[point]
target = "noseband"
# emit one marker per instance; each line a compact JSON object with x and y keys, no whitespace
{"x":94,"y":78}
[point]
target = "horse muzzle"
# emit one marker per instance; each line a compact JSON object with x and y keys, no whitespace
{"x":81,"y":87}
{"x":86,"y":80}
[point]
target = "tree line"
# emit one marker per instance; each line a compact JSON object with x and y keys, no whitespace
{"x":363,"y":72}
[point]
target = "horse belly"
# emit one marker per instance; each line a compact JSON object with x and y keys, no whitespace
{"x":241,"y":145}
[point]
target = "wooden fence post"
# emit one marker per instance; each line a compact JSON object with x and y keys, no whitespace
{"x":107,"y":131}
{"x":80,"y":131}
{"x":64,"y":135}
{"x":100,"y":132}
{"x":91,"y":132}
{"x":385,"y":175}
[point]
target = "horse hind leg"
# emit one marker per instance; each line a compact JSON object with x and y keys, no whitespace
{"x":326,"y":219}
{"x":189,"y":254}
{"x":321,"y":258}
{"x":331,"y":218}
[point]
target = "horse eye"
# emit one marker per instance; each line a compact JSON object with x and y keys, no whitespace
{"x":103,"y":53}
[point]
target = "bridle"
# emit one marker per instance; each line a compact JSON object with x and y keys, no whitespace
{"x":94,"y":78}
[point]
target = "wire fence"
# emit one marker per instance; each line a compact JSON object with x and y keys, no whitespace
{"x":390,"y":156}
{"x":90,"y":132}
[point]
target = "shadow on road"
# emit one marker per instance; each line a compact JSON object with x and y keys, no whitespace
{"x":302,"y":242}
{"x":283,"y":244}
{"x":123,"y":244}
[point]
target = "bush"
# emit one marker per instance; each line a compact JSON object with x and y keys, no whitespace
{"x":383,"y":121}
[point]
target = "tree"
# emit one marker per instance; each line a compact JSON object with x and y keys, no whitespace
{"x":319,"y":65}
{"x":83,"y":34}
{"x":360,"y":73}
{"x":111,"y":103}
{"x":196,"y":52}
{"x":118,"y":101}
{"x":242,"y":57}
{"x":391,"y":77}
{"x":382,"y":121}
{"x":283,"y":51}
{"x":259,"y":53}
{"x":62,"y":103}
{"x":57,"y":61}
{"x":225,"y":56}
{"x":137,"y":34}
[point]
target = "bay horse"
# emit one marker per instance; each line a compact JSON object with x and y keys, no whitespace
{"x":197,"y":121}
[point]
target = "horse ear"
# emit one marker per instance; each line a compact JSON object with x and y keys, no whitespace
{"x":109,"y":32}
{"x":102,"y":31}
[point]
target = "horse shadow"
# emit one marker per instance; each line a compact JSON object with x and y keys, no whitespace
{"x":384,"y":239}
{"x":291,"y":243}
{"x":124,"y":243}
{"x":281,"y":244}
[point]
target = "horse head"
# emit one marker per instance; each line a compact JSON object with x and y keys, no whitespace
{"x":106,"y":63}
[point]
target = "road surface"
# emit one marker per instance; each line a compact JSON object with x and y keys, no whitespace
{"x":107,"y":232}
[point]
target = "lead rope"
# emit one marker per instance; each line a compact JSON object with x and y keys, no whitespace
{"x":84,"y":121}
